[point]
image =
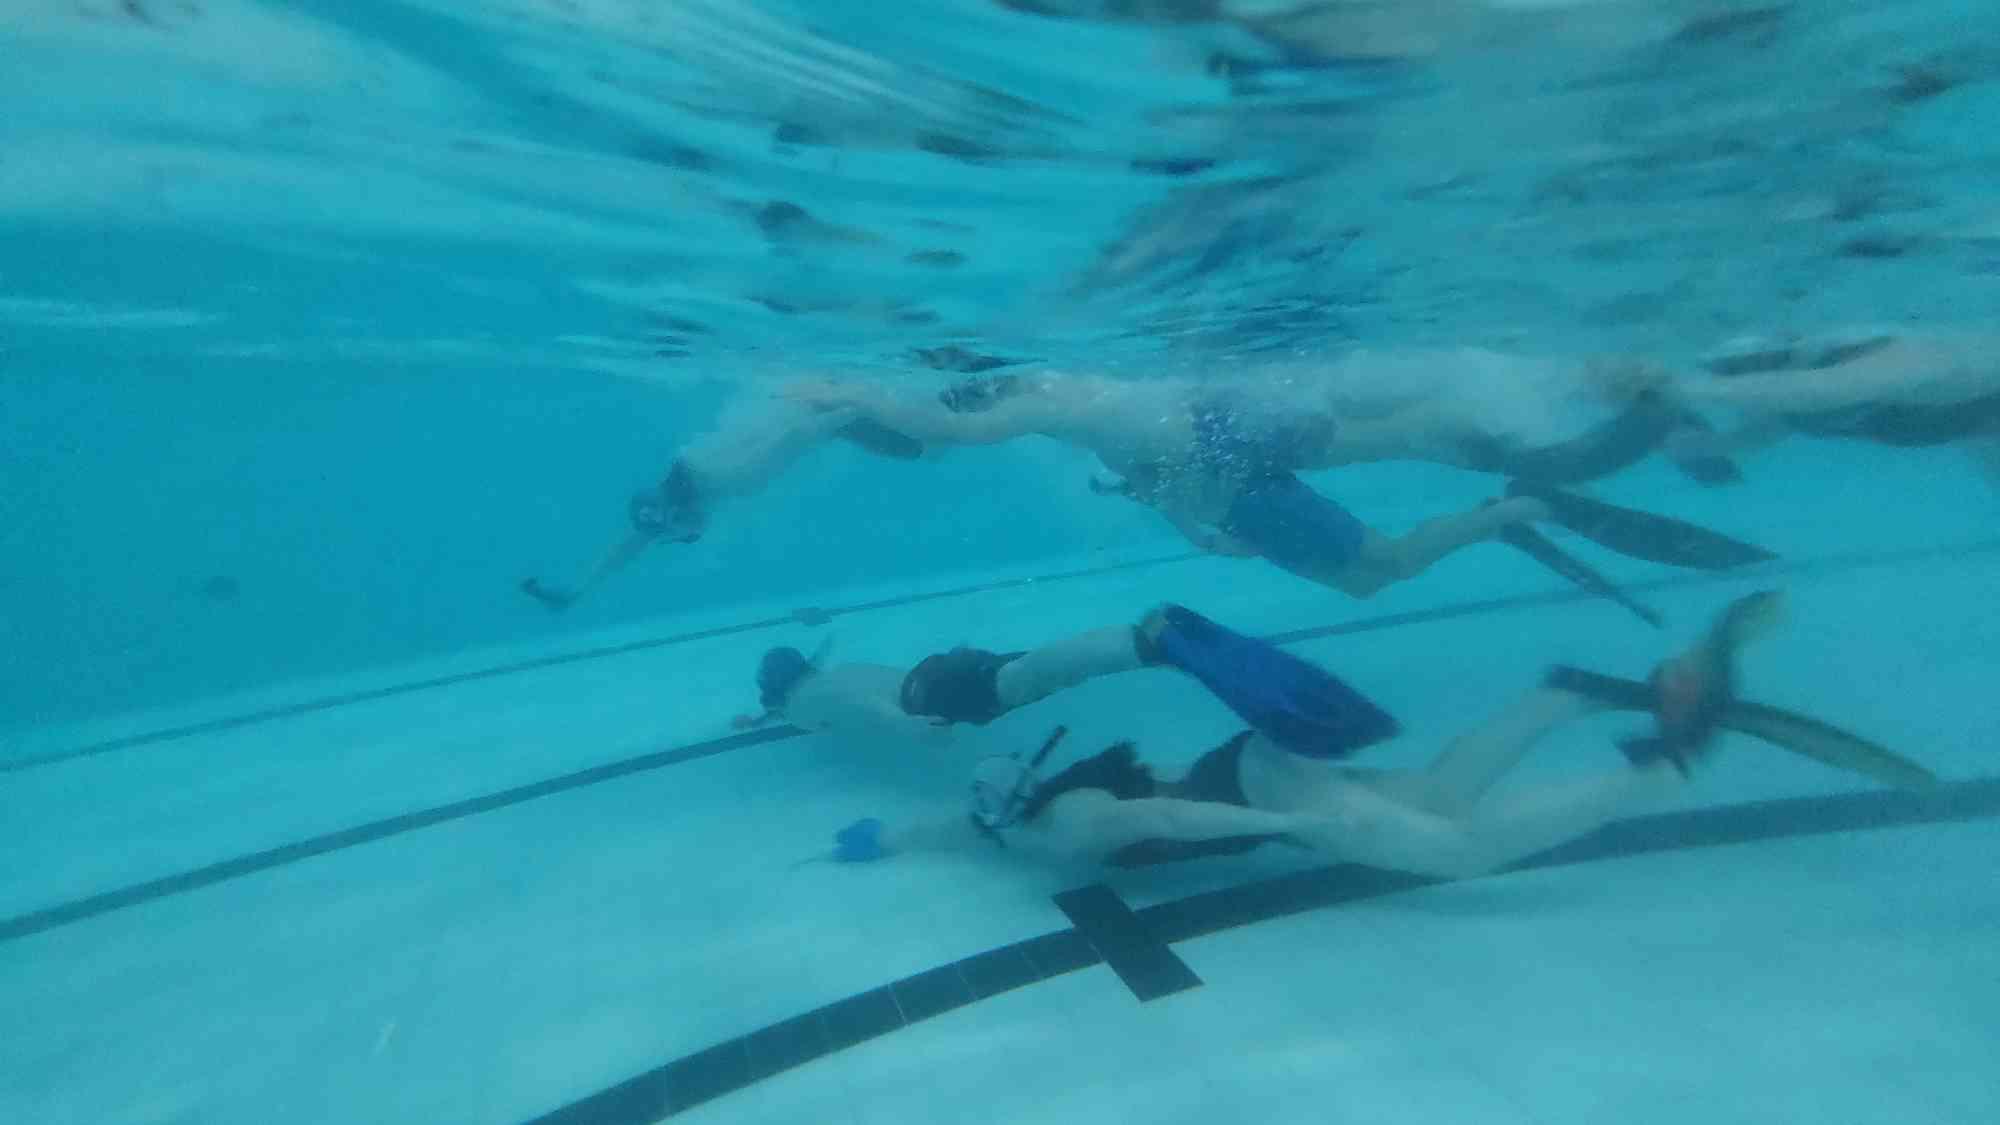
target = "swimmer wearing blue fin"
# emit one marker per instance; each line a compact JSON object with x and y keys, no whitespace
{"x":1442,"y":820}
{"x":1289,"y":700}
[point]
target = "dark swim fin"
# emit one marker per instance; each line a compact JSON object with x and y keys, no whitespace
{"x":881,"y":440}
{"x":1628,"y":438}
{"x":1533,"y":544}
{"x":1288,"y":700}
{"x":1644,"y":535}
{"x":1829,"y":744}
{"x":1788,"y":730}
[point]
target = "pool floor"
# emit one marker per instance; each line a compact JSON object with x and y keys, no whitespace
{"x":312,"y":917}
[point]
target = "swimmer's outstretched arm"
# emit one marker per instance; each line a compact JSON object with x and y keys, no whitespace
{"x":620,"y":556}
{"x":928,"y":420}
{"x":738,"y":458}
{"x":750,"y":449}
{"x":939,"y":834}
{"x":1094,"y":823}
{"x":1088,"y":824}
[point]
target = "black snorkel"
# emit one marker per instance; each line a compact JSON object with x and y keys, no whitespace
{"x":989,"y":825}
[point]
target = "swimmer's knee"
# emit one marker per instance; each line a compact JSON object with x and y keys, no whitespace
{"x":1363,"y":581}
{"x":1379,"y":564}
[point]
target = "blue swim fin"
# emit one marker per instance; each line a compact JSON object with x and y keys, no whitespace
{"x":1288,"y":700}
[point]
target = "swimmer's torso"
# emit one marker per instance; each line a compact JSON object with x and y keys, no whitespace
{"x":844,"y":697}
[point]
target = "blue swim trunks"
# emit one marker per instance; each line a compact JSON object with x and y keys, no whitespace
{"x":1295,"y":528}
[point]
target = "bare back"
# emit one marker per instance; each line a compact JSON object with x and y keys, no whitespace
{"x":846,"y":698}
{"x":1130,"y":425}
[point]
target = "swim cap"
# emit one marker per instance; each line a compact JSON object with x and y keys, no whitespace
{"x":780,"y":672}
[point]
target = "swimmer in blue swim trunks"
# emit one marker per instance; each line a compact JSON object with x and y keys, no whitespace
{"x":1220,"y":463}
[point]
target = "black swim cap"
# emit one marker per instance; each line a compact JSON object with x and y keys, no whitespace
{"x":778,"y":673}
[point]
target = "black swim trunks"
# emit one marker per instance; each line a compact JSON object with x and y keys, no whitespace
{"x":960,"y":686}
{"x":1213,"y":777}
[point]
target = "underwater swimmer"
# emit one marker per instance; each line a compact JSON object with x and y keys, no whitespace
{"x":1442,"y":820}
{"x":1293,"y":702}
{"x":740,"y":457}
{"x":1220,"y":465}
{"x":1890,"y":388}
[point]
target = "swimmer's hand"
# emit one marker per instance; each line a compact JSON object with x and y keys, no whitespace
{"x":554,"y":600}
{"x":859,"y":842}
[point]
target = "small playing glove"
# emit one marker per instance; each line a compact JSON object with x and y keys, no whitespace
{"x":858,"y":842}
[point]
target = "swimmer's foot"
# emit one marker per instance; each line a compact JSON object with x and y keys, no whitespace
{"x":555,"y":600}
{"x":1693,"y":697}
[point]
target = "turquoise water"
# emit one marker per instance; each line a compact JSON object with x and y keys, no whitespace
{"x":323,"y":324}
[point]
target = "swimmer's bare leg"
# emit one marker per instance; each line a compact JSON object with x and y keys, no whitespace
{"x":1375,"y":828}
{"x":1067,"y":663}
{"x":1384,"y":560}
{"x":1463,"y":772}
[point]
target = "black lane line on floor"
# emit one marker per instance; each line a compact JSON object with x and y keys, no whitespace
{"x":62,"y":914}
{"x":1147,"y":965}
{"x":1457,"y":609}
{"x":1460,"y":609}
{"x":691,"y":1080}
{"x":77,"y":910}
{"x":347,"y":699}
